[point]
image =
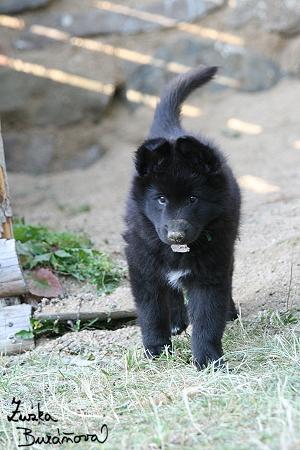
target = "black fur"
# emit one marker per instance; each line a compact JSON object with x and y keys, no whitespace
{"x":183,"y":192}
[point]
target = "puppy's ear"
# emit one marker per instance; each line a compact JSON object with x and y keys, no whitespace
{"x":199,"y":156}
{"x":152,"y":156}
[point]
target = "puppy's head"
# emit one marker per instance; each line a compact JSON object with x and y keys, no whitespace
{"x":181,"y":185}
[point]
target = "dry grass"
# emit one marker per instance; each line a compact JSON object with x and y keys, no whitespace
{"x":167,"y":404}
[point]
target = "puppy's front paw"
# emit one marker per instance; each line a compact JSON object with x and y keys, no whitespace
{"x":179,"y":324}
{"x":179,"y":327}
{"x":153,"y":351}
{"x":179,"y":319}
{"x":210,"y":354}
{"x":231,"y":313}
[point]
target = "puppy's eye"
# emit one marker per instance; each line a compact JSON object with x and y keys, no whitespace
{"x":193,"y":198}
{"x":162,"y":200}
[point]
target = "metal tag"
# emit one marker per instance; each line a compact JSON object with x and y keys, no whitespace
{"x":177,"y":248}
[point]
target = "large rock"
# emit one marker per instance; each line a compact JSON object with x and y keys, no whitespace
{"x":37,"y":151}
{"x":250,"y":71}
{"x":185,"y":10}
{"x":290,"y":58}
{"x":282,"y":16}
{"x":31,"y":154}
{"x":26,"y":41}
{"x":29,"y":100}
{"x":93,"y":22}
{"x":18,"y":6}
{"x":85,"y":158}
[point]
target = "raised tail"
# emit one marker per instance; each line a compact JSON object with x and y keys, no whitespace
{"x":166,"y":121}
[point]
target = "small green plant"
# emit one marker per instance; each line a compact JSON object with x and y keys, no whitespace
{"x":24,"y":334}
{"x":46,"y":327}
{"x":66,"y":254}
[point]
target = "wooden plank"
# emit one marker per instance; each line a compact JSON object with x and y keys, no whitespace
{"x":12,"y":320}
{"x":8,"y":301}
{"x":102,"y":316}
{"x":5,"y":209}
{"x":11,"y":277}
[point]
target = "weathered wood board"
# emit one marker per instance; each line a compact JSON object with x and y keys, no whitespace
{"x":12,"y":320}
{"x":16,"y":317}
{"x":11,"y":277}
{"x":5,"y":209}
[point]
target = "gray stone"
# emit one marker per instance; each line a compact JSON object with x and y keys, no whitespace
{"x":100,"y":22}
{"x":95,"y":22}
{"x":251,"y":72}
{"x":29,"y":100}
{"x":84,"y":158}
{"x":38,"y":151}
{"x":61,"y":104}
{"x":30,"y":154}
{"x":18,"y":6}
{"x":290,"y":58}
{"x":27,"y":41}
{"x":281,"y":16}
{"x":185,"y":10}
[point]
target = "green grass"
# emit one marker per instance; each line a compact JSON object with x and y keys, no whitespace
{"x":166,"y":404}
{"x":66,"y":254}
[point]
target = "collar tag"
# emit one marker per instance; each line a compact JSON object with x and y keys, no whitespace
{"x":177,"y":248}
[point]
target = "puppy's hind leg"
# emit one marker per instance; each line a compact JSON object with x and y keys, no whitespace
{"x":179,"y":315}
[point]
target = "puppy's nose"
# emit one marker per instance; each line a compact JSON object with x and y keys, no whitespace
{"x":176,"y":236}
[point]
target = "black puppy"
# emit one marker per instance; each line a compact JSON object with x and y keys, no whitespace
{"x":182,"y":222}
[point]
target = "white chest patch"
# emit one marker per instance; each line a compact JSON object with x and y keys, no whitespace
{"x":174,"y":277}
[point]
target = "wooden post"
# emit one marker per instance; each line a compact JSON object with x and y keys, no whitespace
{"x":16,"y":317}
{"x":11,"y":278}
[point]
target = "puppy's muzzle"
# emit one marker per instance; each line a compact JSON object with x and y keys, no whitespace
{"x":177,"y":231}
